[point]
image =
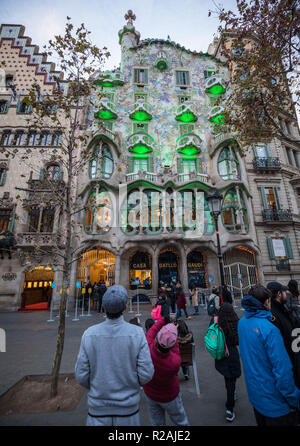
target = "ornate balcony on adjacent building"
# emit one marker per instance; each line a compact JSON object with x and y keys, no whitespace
{"x":110,"y":79}
{"x":283,"y":265}
{"x":215,"y":85}
{"x":186,"y":112}
{"x":188,"y":144}
{"x":140,"y":143}
{"x":141,"y":111}
{"x":216,"y":114}
{"x":106,"y":110}
{"x":277,"y":215}
{"x":264,"y":164}
{"x":39,"y":239}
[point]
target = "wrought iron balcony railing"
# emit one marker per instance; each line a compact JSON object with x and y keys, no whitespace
{"x":283,"y":265}
{"x":270,"y":215}
{"x":267,"y":163}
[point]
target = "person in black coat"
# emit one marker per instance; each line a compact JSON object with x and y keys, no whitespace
{"x":285,"y":322}
{"x":162,"y":300}
{"x":229,"y":367}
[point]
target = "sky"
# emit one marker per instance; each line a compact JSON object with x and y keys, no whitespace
{"x":185,"y":21}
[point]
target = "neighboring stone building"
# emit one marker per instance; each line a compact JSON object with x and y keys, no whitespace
{"x":157,"y":152}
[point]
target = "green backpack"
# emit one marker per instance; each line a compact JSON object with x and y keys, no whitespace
{"x":215,"y":342}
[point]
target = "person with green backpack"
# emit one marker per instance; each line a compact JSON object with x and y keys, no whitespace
{"x":221,"y":342}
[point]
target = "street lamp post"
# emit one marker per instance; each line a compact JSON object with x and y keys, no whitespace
{"x":215,"y":203}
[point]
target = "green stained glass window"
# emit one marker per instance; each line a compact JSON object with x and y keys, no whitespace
{"x":189,"y":165}
{"x":140,"y":164}
{"x":99,"y":212}
{"x":228,"y":164}
{"x":231,"y":214}
{"x":107,"y":162}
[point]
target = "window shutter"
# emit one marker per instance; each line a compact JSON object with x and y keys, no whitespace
{"x":136,"y":75}
{"x":150,"y":164}
{"x":288,"y":248}
{"x":42,"y":174}
{"x":11,"y":223}
{"x":270,"y":247}
{"x":3,"y":178}
{"x":179,"y":165}
{"x":178,"y":78}
{"x":130,"y":165}
{"x":277,"y":197}
{"x":145,"y":77}
{"x":263,"y":195}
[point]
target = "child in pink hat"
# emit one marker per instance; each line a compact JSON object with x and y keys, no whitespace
{"x":163,"y":392}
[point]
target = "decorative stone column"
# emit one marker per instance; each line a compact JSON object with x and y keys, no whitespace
{"x":117,"y":269}
{"x":155,"y":270}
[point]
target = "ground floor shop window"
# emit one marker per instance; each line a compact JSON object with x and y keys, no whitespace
{"x":140,"y":270}
{"x":37,"y":291}
{"x":168,"y":267}
{"x":196,"y":270}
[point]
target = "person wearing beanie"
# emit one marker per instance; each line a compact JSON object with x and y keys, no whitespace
{"x":163,"y":392}
{"x":267,"y":367}
{"x":113,"y":363}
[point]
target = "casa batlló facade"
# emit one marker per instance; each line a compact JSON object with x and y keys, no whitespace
{"x":157,"y":150}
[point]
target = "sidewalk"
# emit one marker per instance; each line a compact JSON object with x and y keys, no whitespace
{"x":30,"y":349}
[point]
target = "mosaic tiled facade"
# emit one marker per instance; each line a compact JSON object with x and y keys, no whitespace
{"x":157,"y":130}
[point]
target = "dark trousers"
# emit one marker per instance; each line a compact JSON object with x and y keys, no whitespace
{"x":286,"y":420}
{"x":230,"y":387}
{"x":185,"y":370}
{"x":173,"y":304}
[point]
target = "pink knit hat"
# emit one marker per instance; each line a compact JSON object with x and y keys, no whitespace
{"x":167,"y":336}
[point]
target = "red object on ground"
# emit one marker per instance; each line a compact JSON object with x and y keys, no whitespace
{"x":35,"y":307}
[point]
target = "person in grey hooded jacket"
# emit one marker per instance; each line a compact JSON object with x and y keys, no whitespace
{"x":114,"y":361}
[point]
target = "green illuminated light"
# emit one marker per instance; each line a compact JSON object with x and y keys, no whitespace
{"x":161,"y":64}
{"x":140,"y":150}
{"x":219,"y":119}
{"x":216,"y":90}
{"x":186,"y":117}
{"x":105,"y":115}
{"x":189,"y":150}
{"x":141,"y":116}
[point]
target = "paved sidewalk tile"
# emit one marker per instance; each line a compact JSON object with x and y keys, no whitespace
{"x":30,"y":349}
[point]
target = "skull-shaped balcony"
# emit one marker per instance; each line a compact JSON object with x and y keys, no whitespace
{"x":215,"y":85}
{"x":106,"y":110}
{"x":216,"y":115}
{"x":188,"y":144}
{"x":140,"y":143}
{"x":141,"y":111}
{"x":110,"y":79}
{"x":186,"y":112}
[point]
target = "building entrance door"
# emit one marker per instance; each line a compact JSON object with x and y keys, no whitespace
{"x":37,"y":290}
{"x":240,"y":270}
{"x":168,"y":267}
{"x":196,"y":270}
{"x":97,"y":265}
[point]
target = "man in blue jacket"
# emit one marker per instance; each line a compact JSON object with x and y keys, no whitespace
{"x":114,"y":361}
{"x":267,"y":366}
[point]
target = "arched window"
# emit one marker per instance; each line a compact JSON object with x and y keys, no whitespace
{"x":234,"y":211}
{"x":130,"y":214}
{"x":99,"y":212}
{"x":152,"y":211}
{"x":228,"y":164}
{"x":54,"y":172}
{"x":107,"y":162}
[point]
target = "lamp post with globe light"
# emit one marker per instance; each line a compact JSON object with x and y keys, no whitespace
{"x":215,"y":204}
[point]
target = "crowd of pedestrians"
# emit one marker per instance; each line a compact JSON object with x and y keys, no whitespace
{"x":117,"y":359}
